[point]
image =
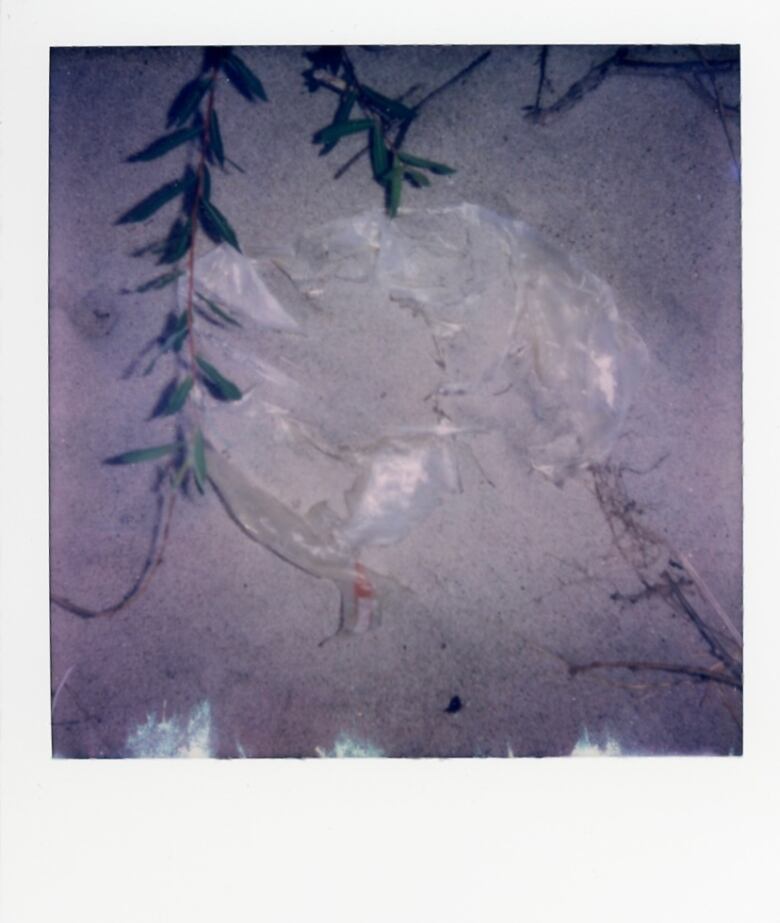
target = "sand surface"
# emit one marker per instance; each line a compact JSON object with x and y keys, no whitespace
{"x":511,"y":577}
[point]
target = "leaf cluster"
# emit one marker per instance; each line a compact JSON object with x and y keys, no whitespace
{"x":383,"y":121}
{"x":189,"y":125}
{"x":192,"y":120}
{"x":183,"y":458}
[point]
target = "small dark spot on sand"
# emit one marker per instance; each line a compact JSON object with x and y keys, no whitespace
{"x":454,"y":706}
{"x":443,"y":646}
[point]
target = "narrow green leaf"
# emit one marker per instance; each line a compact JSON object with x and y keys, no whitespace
{"x":209,"y":222}
{"x":177,"y":242}
{"x":441,"y":168}
{"x":379,"y":158}
{"x":215,"y":137}
{"x":160,"y":281}
{"x":155,"y":247}
{"x":390,"y":107}
{"x":199,"y":461}
{"x":216,"y":225}
{"x":178,"y":340}
{"x":236,"y":78}
{"x":174,"y":342}
{"x":150,"y":368}
{"x":142,"y":455}
{"x":177,"y":398}
{"x":394,"y":189}
{"x":187,"y":101}
{"x":243,"y":78}
{"x":224,"y":388}
{"x":343,"y":112}
{"x":346,"y":104}
{"x":416,"y":178}
{"x":334,"y":132}
{"x":190,"y":181}
{"x":171,"y":343}
{"x":148,"y":206}
{"x":223,"y":315}
{"x":177,"y":323}
{"x":162,"y":145}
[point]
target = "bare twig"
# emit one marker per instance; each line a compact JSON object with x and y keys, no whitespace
{"x":153,"y":561}
{"x":701,"y":673}
{"x":542,"y":74}
{"x":717,"y":674}
{"x":463,"y":72}
{"x":592,"y":79}
{"x":642,"y":548}
{"x":719,"y":103}
{"x":707,"y":633}
{"x":705,"y":591}
{"x":620,"y":61}
{"x":675,"y":68}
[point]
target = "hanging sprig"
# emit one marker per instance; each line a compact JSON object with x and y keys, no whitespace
{"x":192,"y":121}
{"x":383,"y":120}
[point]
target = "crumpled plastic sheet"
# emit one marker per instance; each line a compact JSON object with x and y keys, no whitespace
{"x":374,"y":350}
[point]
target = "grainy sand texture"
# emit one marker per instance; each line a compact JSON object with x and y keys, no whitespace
{"x":513,"y":582}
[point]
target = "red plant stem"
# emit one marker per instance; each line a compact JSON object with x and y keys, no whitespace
{"x":194,"y":222}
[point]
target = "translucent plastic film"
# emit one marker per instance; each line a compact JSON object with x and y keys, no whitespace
{"x":394,"y":345}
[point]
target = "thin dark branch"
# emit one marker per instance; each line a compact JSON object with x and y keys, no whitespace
{"x":707,"y":633}
{"x":592,"y":79}
{"x":463,"y":72}
{"x":404,"y":126}
{"x":620,"y":61}
{"x":694,"y":83}
{"x":154,"y":559}
{"x":702,"y":673}
{"x":719,"y":103}
{"x":349,"y":69}
{"x":454,"y":79}
{"x":675,"y":68}
{"x":542,"y":74}
{"x":351,"y":162}
{"x":631,"y":543}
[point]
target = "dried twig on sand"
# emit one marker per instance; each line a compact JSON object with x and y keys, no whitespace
{"x":651,"y":558}
{"x":620,"y":61}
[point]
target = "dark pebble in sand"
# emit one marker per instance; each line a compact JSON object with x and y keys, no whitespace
{"x":454,"y":706}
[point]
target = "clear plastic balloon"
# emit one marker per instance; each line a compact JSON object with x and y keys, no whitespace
{"x":376,"y":349}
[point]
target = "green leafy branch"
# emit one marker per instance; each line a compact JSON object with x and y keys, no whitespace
{"x":385,"y":122}
{"x":193,"y":124}
{"x":192,"y":121}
